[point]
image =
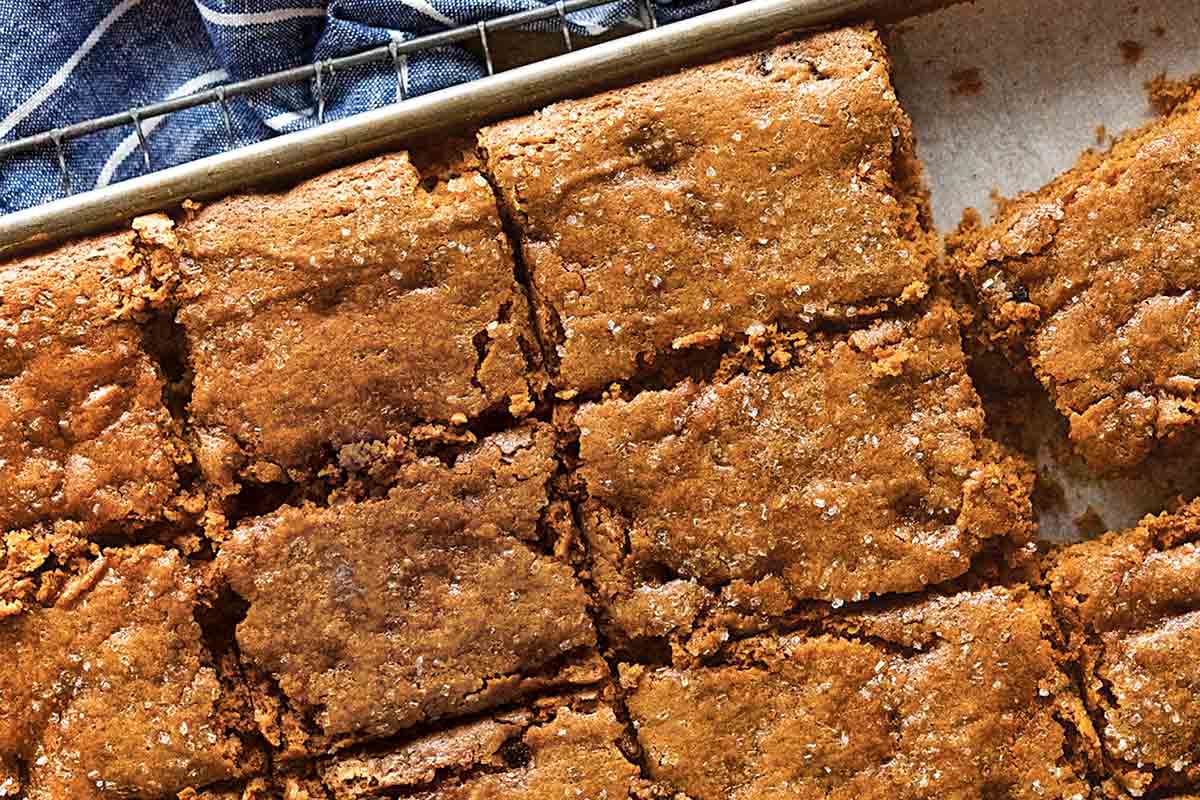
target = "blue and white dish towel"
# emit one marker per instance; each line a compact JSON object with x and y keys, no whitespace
{"x":63,"y":61}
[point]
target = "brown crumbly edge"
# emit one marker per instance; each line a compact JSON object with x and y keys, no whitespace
{"x":553,"y":746}
{"x":973,"y":247}
{"x":38,"y":561}
{"x":1129,"y":585}
{"x":1001,"y":319}
{"x":1166,"y":94}
{"x":557,"y":745}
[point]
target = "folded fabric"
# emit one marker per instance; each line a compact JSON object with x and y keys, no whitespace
{"x":66,"y":62}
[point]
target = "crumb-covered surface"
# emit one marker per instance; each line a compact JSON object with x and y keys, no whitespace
{"x":1131,"y":601}
{"x":1094,"y":279}
{"x":113,"y":691}
{"x":430,"y":603}
{"x":860,"y":470}
{"x":372,"y":300}
{"x":958,"y":696}
{"x":778,"y":187}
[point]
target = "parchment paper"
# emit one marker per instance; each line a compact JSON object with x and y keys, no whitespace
{"x":1004,"y":95}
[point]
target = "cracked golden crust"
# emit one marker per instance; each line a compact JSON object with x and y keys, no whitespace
{"x":551,"y":751}
{"x":1094,"y":278}
{"x":113,"y":692}
{"x":861,"y":470}
{"x":777,"y":187}
{"x":954,"y":696}
{"x":353,"y":306}
{"x":84,"y":436}
{"x":1131,"y":600}
{"x":558,"y":746}
{"x":434,"y":602}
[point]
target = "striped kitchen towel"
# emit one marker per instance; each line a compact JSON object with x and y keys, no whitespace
{"x":62,"y":61}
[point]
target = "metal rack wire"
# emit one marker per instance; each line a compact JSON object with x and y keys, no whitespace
{"x":318,"y":73}
{"x":503,"y":92}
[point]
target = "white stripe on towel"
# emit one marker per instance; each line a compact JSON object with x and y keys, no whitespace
{"x":60,"y":76}
{"x":425,"y":8}
{"x":281,"y":121}
{"x":256,"y":18}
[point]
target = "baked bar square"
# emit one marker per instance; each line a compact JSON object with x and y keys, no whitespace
{"x":434,"y":602}
{"x":957,"y":696}
{"x":778,"y":187}
{"x":1094,"y":279}
{"x":1131,"y":601}
{"x":85,"y":437}
{"x":861,"y":469}
{"x":357,"y":305}
{"x":114,"y":692}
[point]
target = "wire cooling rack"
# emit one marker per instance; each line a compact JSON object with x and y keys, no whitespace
{"x":318,"y":74}
{"x":648,"y":48}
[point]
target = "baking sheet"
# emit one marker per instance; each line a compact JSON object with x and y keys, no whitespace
{"x":1004,"y":95}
